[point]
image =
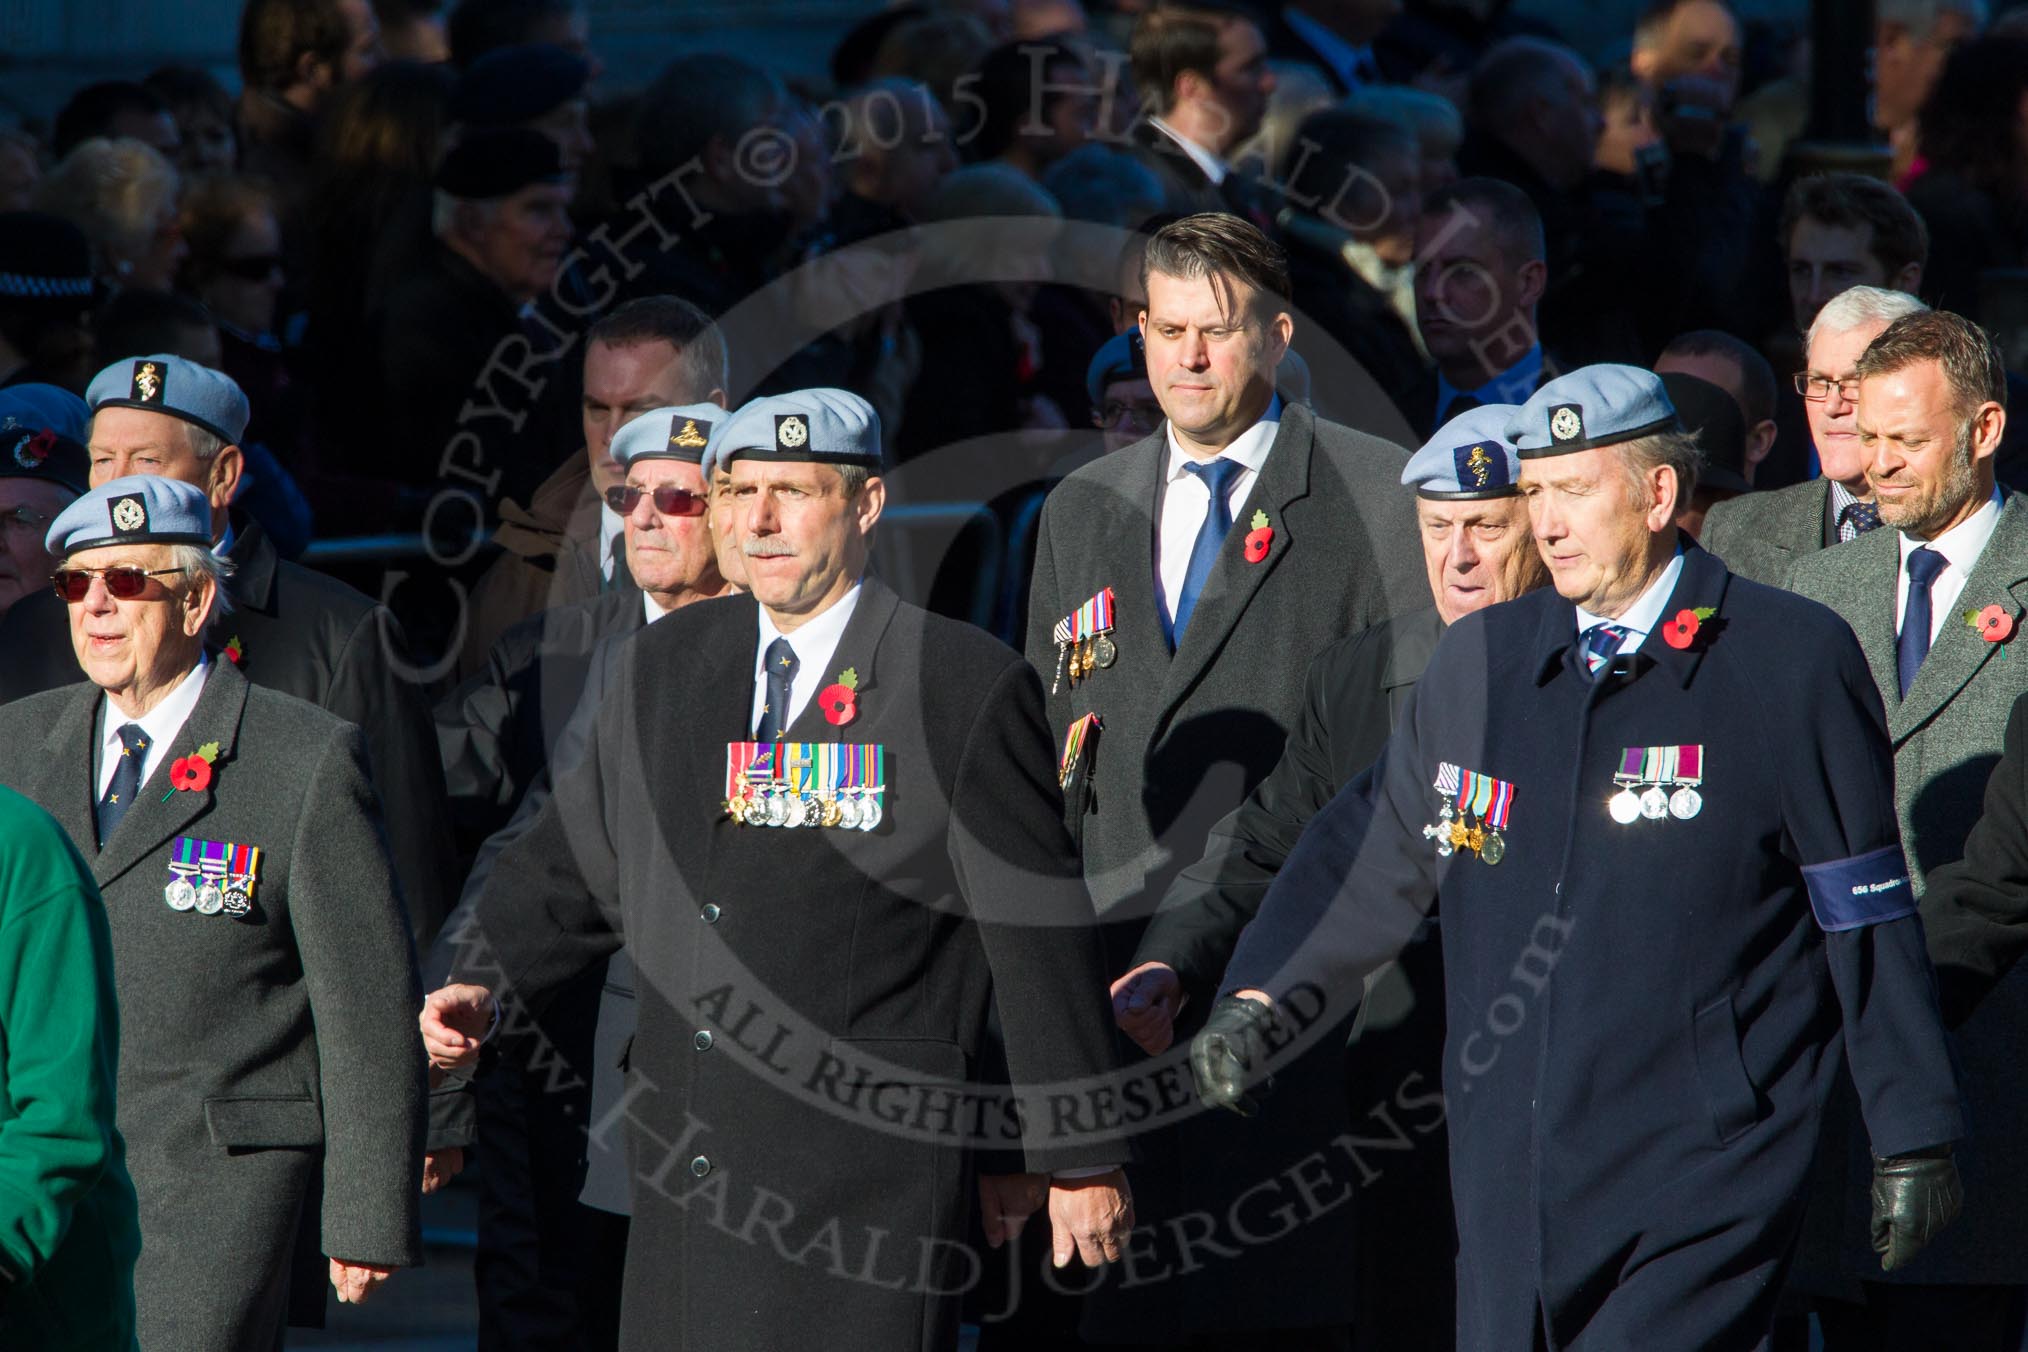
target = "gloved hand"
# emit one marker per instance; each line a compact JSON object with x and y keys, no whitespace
{"x":1914,"y":1197}
{"x":1233,"y":1042}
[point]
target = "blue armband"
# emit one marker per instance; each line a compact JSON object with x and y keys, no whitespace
{"x":1869,"y":889}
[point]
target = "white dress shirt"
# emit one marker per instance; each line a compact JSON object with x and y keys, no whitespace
{"x":1961,"y":546}
{"x":160,"y":723}
{"x":816,"y":643}
{"x":1214,"y":168}
{"x":1185,"y":498}
{"x":652,"y":608}
{"x":1646,"y":611}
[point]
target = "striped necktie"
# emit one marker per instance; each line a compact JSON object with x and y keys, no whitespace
{"x":1601,"y":641}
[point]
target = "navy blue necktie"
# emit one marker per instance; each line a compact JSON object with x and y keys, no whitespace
{"x":1912,"y":645}
{"x":126,"y":785}
{"x":1217,"y":476}
{"x":1860,"y":516}
{"x":1601,"y":641}
{"x":782,"y":664}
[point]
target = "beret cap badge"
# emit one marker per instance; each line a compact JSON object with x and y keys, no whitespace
{"x":129,"y":515}
{"x":1566,"y":422}
{"x":689,"y":436}
{"x":791,"y":432}
{"x":147,"y":382}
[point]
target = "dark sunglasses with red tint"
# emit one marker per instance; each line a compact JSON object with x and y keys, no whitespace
{"x":668,"y":501}
{"x":123,"y":582}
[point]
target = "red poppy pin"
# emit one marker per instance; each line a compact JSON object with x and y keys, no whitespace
{"x":234,"y":653}
{"x":1681,"y":631}
{"x":192,"y":772}
{"x":840,"y":702}
{"x":1259,"y":538}
{"x":34,"y":450}
{"x":1994,"y":624}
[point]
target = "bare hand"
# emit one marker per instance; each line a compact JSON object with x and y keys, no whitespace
{"x":441,"y":1166}
{"x":454,"y":1019}
{"x":1146,"y":1002}
{"x":354,"y":1282}
{"x":1090,"y":1217}
{"x":1006,"y":1201}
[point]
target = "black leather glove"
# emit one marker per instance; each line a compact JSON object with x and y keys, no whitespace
{"x":1914,"y":1197}
{"x":1232,"y":1044}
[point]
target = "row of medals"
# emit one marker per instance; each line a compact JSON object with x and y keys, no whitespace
{"x":1451,"y":834}
{"x":208,"y":897}
{"x":853,"y":809}
{"x":1096,"y":651}
{"x":1655,"y":803}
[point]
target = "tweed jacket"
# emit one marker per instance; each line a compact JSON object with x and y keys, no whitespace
{"x":260,"y":1057}
{"x":1764,"y":535}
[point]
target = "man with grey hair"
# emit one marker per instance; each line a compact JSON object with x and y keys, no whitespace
{"x":1936,"y":601}
{"x":1764,"y":535}
{"x":292,"y":629}
{"x":268,"y":1073}
{"x":1650,"y":983}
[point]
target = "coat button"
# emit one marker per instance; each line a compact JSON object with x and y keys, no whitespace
{"x":710,"y":913}
{"x":700,"y":1166}
{"x":703,"y":1040}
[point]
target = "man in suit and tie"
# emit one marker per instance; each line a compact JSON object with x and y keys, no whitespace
{"x":1765,"y":535}
{"x":928,"y":874}
{"x":291,"y":629}
{"x":1201,"y":66}
{"x":268,"y":1066}
{"x":1479,"y":274}
{"x":1228,"y":549}
{"x":1936,"y":601}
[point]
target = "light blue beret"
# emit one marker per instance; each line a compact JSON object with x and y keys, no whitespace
{"x":679,"y":432}
{"x":1120,"y":357}
{"x":1469,"y":457}
{"x":832,"y":427}
{"x":1591,"y":407}
{"x":182,"y":389}
{"x":141,"y":509}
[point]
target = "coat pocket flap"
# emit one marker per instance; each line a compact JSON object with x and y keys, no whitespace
{"x":264,"y":1123}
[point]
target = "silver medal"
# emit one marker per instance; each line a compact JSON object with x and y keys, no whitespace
{"x":1625,"y":807}
{"x":210,"y":898}
{"x":237,"y":902}
{"x":869,"y":813}
{"x":1103,"y":651}
{"x":1654,"y":803}
{"x":180,"y":895}
{"x":1494,"y":850}
{"x":755,"y":812}
{"x":778,"y":809}
{"x":813,"y":812}
{"x":1685,"y":803}
{"x":848,"y":812}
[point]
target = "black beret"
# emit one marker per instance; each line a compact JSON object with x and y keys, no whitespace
{"x":495,"y":162}
{"x":44,"y":258}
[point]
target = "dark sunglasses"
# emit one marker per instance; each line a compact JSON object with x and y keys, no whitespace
{"x":668,"y":501}
{"x":123,"y":582}
{"x":252,"y":268}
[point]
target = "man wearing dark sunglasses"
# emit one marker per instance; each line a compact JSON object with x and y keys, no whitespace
{"x":881,"y":935}
{"x":292,"y":629}
{"x":549,"y":1264}
{"x":261,"y":957}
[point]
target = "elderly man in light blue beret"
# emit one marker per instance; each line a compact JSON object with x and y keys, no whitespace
{"x":260,"y":948}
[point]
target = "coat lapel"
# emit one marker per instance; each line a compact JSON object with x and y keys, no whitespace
{"x":162,"y":812}
{"x":2000,"y":575}
{"x":856,"y":649}
{"x":1863,"y":592}
{"x":65,"y":787}
{"x":1283,"y":479}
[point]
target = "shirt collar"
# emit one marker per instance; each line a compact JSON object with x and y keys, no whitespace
{"x":1214,"y":168}
{"x":611,"y":523}
{"x":817,"y":638}
{"x":1344,"y":58}
{"x":1250,"y":448}
{"x":168,"y":716}
{"x":1645,"y":613}
{"x":1512,"y":386}
{"x":1962,"y":544}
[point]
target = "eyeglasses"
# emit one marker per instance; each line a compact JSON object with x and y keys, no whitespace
{"x":25,"y":520}
{"x":1138,"y":414}
{"x":1813,"y":387}
{"x":668,"y":501}
{"x":123,"y":582}
{"x":252,"y":268}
